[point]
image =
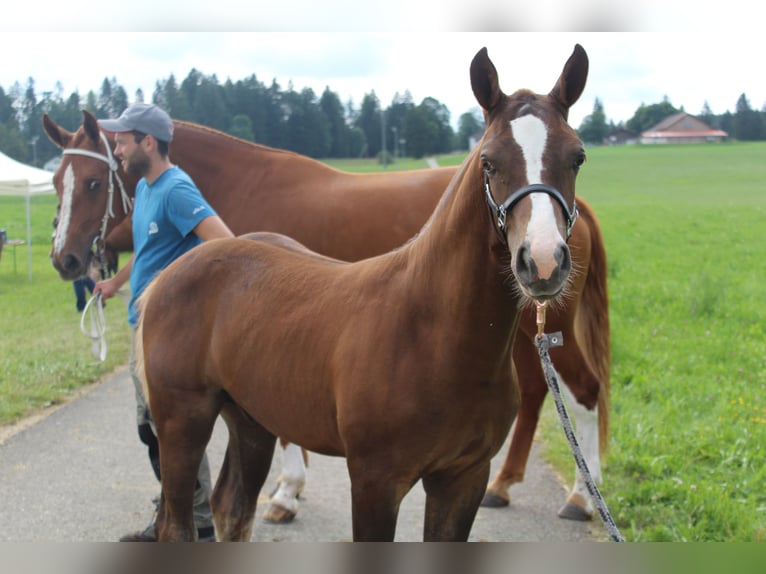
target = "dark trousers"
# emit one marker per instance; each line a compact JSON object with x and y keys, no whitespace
{"x":79,"y":291}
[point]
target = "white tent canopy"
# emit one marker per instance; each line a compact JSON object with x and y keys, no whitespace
{"x":17,"y":178}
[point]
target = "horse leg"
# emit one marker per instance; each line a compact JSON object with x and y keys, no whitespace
{"x":184,"y":423}
{"x":245,"y":468}
{"x":532,"y":389}
{"x":375,"y":500}
{"x":284,"y":502}
{"x":451,"y":504}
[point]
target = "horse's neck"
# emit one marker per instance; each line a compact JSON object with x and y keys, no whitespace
{"x":457,"y":255}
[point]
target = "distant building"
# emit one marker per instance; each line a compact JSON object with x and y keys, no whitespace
{"x":620,"y":136}
{"x":682,"y":128}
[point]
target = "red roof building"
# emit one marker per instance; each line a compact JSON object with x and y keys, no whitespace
{"x":682,"y":128}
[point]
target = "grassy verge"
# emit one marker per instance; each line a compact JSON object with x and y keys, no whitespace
{"x":44,"y":357}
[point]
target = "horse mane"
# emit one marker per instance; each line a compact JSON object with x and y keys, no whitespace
{"x":243,"y":142}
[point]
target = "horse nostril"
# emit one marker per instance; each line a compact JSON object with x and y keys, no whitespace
{"x":564,"y":259}
{"x":526,"y":268}
{"x":71,"y":263}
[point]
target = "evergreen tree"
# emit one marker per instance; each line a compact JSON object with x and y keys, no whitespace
{"x":31,"y":117}
{"x":307,"y":128}
{"x":208,"y":104}
{"x":748,"y":123}
{"x":395,"y":121}
{"x":11,"y":141}
{"x":340,"y":133}
{"x":469,"y":125}
{"x":707,"y":116}
{"x":417,"y":132}
{"x":370,"y":122}
{"x":427,"y":129}
{"x":242,"y":127}
{"x":170,"y":98}
{"x":112,"y":99}
{"x":649,"y":116}
{"x":594,"y":127}
{"x":357,"y":143}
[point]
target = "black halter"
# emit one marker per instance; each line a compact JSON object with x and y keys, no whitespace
{"x":500,"y":211}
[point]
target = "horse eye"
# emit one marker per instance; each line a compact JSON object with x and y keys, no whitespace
{"x":487,"y":167}
{"x":93,"y":185}
{"x":579,"y":160}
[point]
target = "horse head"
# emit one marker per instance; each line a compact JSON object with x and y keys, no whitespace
{"x":87,"y":181}
{"x":533,"y":206}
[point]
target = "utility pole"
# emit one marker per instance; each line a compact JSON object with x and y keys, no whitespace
{"x":383,"y":138}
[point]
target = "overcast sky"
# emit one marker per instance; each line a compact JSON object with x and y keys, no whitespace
{"x":626,"y":68}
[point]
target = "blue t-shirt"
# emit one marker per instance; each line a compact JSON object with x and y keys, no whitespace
{"x":165,"y":214}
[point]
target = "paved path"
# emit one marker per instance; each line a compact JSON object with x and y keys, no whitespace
{"x":81,"y":474}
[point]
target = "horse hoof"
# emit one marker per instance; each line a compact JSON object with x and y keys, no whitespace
{"x":278,"y":515}
{"x":492,"y":500}
{"x":573,"y":512}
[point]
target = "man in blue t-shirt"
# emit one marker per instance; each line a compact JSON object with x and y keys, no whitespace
{"x":169,"y":218}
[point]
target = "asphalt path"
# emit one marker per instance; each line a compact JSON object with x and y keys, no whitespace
{"x":79,"y":473}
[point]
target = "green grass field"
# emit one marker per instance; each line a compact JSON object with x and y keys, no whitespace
{"x":43,"y":356}
{"x":683,"y":229}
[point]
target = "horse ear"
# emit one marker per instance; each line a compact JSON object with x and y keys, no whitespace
{"x":571,"y":83}
{"x":58,"y":135}
{"x":90,"y":125}
{"x":484,"y":82}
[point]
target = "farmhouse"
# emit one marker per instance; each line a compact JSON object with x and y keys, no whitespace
{"x":682,"y":128}
{"x":620,"y":136}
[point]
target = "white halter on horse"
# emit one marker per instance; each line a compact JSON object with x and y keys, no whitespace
{"x":97,"y":320}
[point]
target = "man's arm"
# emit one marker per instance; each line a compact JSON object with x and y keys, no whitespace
{"x":212,"y":227}
{"x":109,"y":287}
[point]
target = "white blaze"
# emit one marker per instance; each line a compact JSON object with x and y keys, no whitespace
{"x":530,"y":133}
{"x":65,"y":211}
{"x":543,"y":235}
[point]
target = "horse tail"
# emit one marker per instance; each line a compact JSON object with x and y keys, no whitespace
{"x":592,"y":320}
{"x":138,"y":345}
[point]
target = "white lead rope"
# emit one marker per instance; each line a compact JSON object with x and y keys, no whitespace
{"x":94,"y":310}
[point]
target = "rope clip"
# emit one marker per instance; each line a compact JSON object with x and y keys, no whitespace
{"x":554,"y":339}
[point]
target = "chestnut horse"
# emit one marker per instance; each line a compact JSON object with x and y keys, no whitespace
{"x":400,"y":363}
{"x":349,"y":217}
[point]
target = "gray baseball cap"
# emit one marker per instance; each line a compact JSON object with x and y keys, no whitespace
{"x":145,"y":118}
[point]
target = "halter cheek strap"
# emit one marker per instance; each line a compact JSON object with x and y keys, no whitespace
{"x":114,"y":165}
{"x":500,"y":211}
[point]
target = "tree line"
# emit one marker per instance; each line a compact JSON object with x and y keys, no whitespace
{"x":744,"y":124}
{"x":316,"y":126}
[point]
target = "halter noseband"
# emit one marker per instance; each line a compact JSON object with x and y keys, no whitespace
{"x":500,"y":211}
{"x":114,"y":165}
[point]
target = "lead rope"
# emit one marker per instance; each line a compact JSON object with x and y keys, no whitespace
{"x":94,"y":310}
{"x":543,"y":342}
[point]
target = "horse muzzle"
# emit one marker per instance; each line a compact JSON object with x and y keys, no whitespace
{"x":542,"y":276}
{"x":71,"y":266}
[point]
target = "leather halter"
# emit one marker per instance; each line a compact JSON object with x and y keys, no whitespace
{"x":500,"y":211}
